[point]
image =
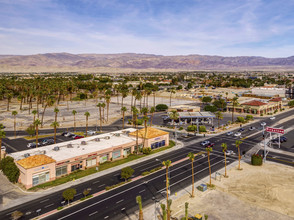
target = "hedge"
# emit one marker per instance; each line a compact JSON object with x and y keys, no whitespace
{"x":256,"y":159}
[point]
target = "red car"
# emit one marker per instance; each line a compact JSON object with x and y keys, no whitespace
{"x":78,"y":136}
{"x":210,"y":145}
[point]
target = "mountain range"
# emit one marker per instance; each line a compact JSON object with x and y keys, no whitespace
{"x":137,"y":62}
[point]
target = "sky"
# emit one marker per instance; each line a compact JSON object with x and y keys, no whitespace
{"x":163,"y":27}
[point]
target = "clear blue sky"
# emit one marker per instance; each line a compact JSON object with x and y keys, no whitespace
{"x":164,"y":27}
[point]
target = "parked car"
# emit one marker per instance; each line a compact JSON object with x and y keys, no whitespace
{"x":3,"y":148}
{"x":64,"y":133}
{"x":284,"y":138}
{"x":78,"y":137}
{"x":230,"y":133}
{"x":210,"y":145}
{"x":32,"y":145}
{"x":91,"y":132}
{"x":68,"y":134}
{"x":237,"y":134}
{"x":241,"y":129}
{"x":47,"y":141}
{"x":71,"y":135}
{"x":251,"y":128}
{"x":263,"y":124}
{"x":272,"y":118}
{"x":205,"y":143}
{"x":229,"y":152}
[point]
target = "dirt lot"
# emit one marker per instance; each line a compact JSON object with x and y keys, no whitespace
{"x":264,"y":192}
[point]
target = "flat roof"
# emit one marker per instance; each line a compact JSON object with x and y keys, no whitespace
{"x":74,"y":148}
{"x":196,"y":115}
{"x":151,"y":133}
{"x":35,"y":161}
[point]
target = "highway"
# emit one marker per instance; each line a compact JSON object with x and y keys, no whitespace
{"x":121,"y":201}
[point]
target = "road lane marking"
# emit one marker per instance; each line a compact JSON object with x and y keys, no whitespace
{"x":286,"y":161}
{"x":93,"y":213}
{"x":96,"y":182}
{"x":78,"y":194}
{"x":49,"y":205}
{"x":106,"y":217}
{"x":8,"y":145}
{"x":119,"y":201}
{"x":101,"y":185}
{"x":123,"y":209}
{"x":45,"y":200}
{"x":142,"y":191}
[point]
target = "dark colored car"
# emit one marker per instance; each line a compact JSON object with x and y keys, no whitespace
{"x":71,"y":135}
{"x":283,"y":138}
{"x":64,"y":133}
{"x":241,"y":129}
{"x":48,"y":141}
{"x":210,"y":145}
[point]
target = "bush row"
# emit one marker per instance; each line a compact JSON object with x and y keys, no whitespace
{"x":145,"y":173}
{"x":116,"y":185}
{"x":87,"y":197}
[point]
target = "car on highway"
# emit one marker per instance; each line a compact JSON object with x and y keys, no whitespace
{"x":229,"y":152}
{"x":237,"y":134}
{"x":272,"y":118}
{"x":252,"y":128}
{"x":205,"y":143}
{"x":241,"y":129}
{"x":78,"y":137}
{"x":263,"y":124}
{"x":230,"y":133}
{"x":284,"y":138}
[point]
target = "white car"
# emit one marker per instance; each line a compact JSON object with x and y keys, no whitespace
{"x":91,"y":132}
{"x":263,"y":124}
{"x":230,"y":133}
{"x":229,"y":152}
{"x":68,"y":134}
{"x":251,"y":128}
{"x":3,"y":148}
{"x":237,"y":134}
{"x":272,"y":118}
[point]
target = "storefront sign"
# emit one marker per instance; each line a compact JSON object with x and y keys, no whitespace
{"x":275,"y":130}
{"x":41,"y":168}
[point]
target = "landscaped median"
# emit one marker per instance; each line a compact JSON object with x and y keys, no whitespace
{"x":109,"y":164}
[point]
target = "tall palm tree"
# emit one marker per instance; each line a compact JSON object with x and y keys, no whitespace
{"x":2,"y":135}
{"x":56,"y":110}
{"x":152,"y":110}
{"x":87,"y":114}
{"x":48,"y":103}
{"x":99,"y":105}
{"x":174,"y":115}
{"x":123,"y":110}
{"x":191,"y":158}
{"x":55,"y":124}
{"x":144,"y":111}
{"x":225,"y":147}
{"x":237,"y":143}
{"x":34,"y":112}
{"x":107,"y":99}
{"x":103,"y":107}
{"x":172,"y":91}
{"x":167,"y":164}
{"x":235,"y":103}
{"x":14,"y":113}
{"x":138,"y":97}
{"x":9,"y":96}
{"x":37,"y":123}
{"x":209,"y":149}
{"x":139,"y":202}
{"x":135,"y":122}
{"x":219,"y":116}
{"x":74,"y":112}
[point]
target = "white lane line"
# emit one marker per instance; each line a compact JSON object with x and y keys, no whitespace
{"x":101,"y":185}
{"x":123,"y":209}
{"x":93,"y":213}
{"x":8,"y":145}
{"x":106,"y":217}
{"x":116,"y":175}
{"x":78,"y":194}
{"x":96,"y":182}
{"x":49,"y":205}
{"x":44,"y":200}
{"x":9,"y":213}
{"x":142,"y":191}
{"x":119,"y":201}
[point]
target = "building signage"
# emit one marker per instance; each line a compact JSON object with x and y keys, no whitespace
{"x":275,"y":130}
{"x":41,"y":168}
{"x":156,"y":139}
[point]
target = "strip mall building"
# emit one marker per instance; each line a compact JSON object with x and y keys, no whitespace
{"x":43,"y":164}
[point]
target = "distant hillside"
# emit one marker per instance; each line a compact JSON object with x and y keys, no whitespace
{"x":139,"y":61}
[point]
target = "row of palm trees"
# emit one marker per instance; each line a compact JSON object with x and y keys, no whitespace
{"x":191,"y":156}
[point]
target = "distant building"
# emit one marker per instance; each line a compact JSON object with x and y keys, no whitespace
{"x":269,"y":91}
{"x":184,"y":108}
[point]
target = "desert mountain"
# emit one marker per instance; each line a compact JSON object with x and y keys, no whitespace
{"x":142,"y":61}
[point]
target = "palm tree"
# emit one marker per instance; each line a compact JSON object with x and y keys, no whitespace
{"x":163,"y":211}
{"x":135,"y":122}
{"x":219,"y":116}
{"x":37,"y":123}
{"x":167,"y":164}
{"x":56,"y":110}
{"x":2,"y":135}
{"x":14,"y":113}
{"x":99,"y":105}
{"x":103,"y":107}
{"x":209,"y":149}
{"x":235,"y":103}
{"x":225,"y":147}
{"x":107,"y":99}
{"x":87,"y":114}
{"x":145,"y":119}
{"x":123,"y":110}
{"x":152,"y":110}
{"x":237,"y":143}
{"x":49,"y":102}
{"x":74,"y":112}
{"x":9,"y":96}
{"x":139,"y":202}
{"x":191,"y":158}
{"x":174,"y":115}
{"x":172,"y":91}
{"x":55,"y":124}
{"x":34,"y":112}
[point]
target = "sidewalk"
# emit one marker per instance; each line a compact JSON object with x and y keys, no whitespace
{"x":36,"y":195}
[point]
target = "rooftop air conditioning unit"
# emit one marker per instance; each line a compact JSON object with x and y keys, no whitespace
{"x":107,"y":137}
{"x":56,"y":148}
{"x":26,"y":155}
{"x":97,"y":139}
{"x":69,"y":146}
{"x":117,"y":134}
{"x":83,"y":143}
{"x":43,"y":152}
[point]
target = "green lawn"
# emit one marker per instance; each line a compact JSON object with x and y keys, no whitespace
{"x":81,"y":173}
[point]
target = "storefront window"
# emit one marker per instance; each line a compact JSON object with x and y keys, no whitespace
{"x":116,"y":154}
{"x":41,"y":178}
{"x":127,"y":151}
{"x":61,"y":170}
{"x":103,"y":158}
{"x":91,"y":162}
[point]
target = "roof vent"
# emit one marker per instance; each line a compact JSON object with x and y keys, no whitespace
{"x":56,"y":148}
{"x":69,"y":146}
{"x":107,"y":137}
{"x":43,"y":152}
{"x":97,"y":139}
{"x":26,"y":155}
{"x":117,"y":134}
{"x":83,"y":143}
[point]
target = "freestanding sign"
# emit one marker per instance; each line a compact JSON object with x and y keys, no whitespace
{"x":275,"y":130}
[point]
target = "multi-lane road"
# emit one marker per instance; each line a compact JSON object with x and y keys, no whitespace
{"x":120,"y":202}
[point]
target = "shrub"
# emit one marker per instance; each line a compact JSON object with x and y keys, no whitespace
{"x":145,"y":173}
{"x":116,"y":185}
{"x":261,"y":114}
{"x":161,"y":107}
{"x":147,"y":150}
{"x":82,"y":96}
{"x":240,"y":119}
{"x":291,"y":103}
{"x":192,"y":128}
{"x":126,"y":173}
{"x":31,"y":130}
{"x":275,"y":111}
{"x":256,"y":159}
{"x":202,"y":128}
{"x":210,"y":108}
{"x":249,"y":117}
{"x":60,"y":207}
{"x":181,"y":128}
{"x":9,"y":169}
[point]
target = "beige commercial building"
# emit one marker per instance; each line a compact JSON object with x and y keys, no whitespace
{"x":184,"y":108}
